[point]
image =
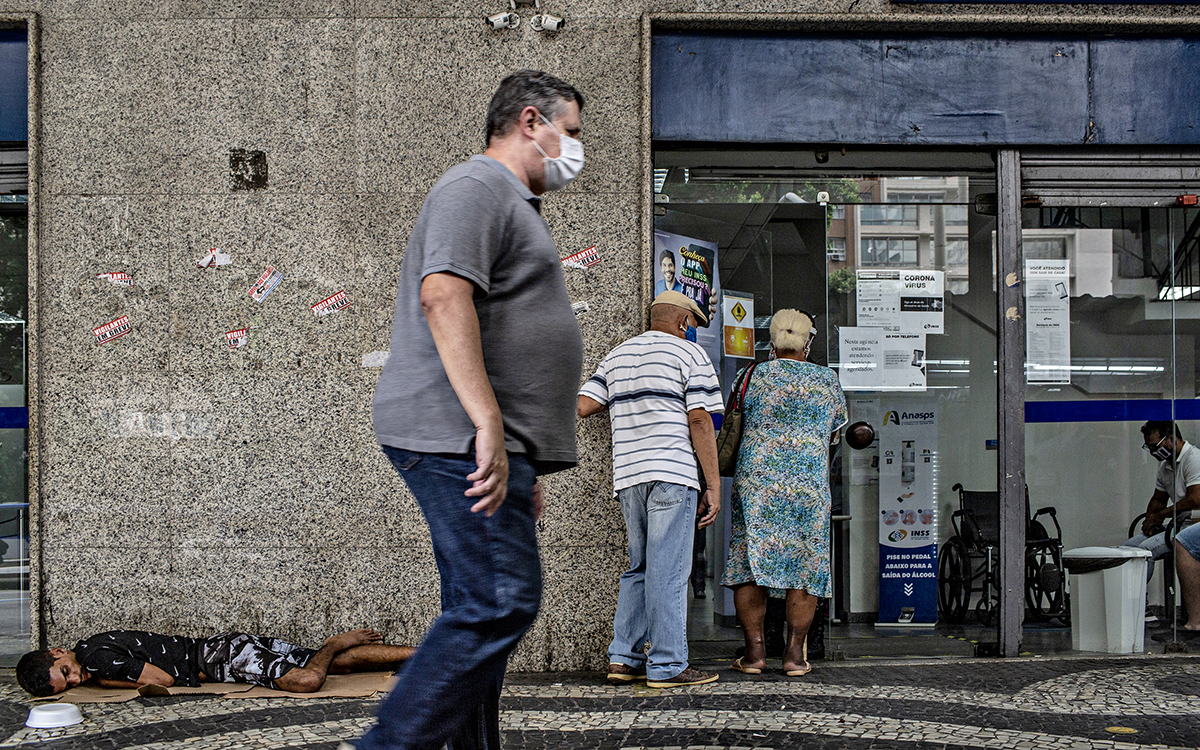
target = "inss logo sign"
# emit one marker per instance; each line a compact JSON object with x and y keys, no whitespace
{"x":897,"y":535}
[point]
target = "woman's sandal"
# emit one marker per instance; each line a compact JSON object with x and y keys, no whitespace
{"x":803,"y":670}
{"x":737,"y":665}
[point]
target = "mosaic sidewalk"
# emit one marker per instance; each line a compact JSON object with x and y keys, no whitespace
{"x":1022,"y":704}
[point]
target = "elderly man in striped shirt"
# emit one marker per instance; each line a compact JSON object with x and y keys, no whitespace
{"x":660,"y":391}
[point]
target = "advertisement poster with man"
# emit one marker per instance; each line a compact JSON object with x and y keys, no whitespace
{"x":689,"y":266}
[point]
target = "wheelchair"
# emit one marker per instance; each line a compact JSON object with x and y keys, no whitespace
{"x":968,"y":562}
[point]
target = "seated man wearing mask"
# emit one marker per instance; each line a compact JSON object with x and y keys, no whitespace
{"x":1178,"y":480}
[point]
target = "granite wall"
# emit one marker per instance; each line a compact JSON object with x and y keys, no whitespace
{"x":183,"y":486}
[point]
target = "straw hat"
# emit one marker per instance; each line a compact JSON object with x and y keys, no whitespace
{"x":679,"y":299}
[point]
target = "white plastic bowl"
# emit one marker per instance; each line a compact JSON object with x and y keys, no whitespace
{"x":51,"y":715}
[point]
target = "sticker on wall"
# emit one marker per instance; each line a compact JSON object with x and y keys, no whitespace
{"x":213,"y":259}
{"x":267,"y":282}
{"x":584,"y":259}
{"x":375,"y":359}
{"x":332,"y":304}
{"x":112,"y":330}
{"x":120,"y":278}
{"x":579,"y":308}
{"x":236,"y":339}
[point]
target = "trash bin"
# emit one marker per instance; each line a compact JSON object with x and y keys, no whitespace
{"x":1108,"y":598}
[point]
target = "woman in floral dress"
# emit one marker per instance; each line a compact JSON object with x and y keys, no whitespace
{"x":792,"y":413}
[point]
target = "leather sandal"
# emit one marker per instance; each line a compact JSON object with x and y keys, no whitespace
{"x":737,"y":666}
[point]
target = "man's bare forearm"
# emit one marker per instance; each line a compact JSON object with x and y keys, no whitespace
{"x":1190,"y":501}
{"x":586,"y":406}
{"x":704,"y":441}
{"x":448,"y":303}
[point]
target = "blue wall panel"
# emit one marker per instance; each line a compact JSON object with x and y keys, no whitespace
{"x":14,"y":86}
{"x":1110,"y":410}
{"x":924,"y":91}
{"x":1146,"y":90}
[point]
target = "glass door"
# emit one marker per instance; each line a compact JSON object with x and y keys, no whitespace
{"x":1113,"y":306}
{"x":912,"y":309}
{"x":899,"y":256}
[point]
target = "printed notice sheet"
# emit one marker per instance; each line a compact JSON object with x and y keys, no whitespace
{"x":898,"y":300}
{"x":1047,"y":321}
{"x":873,"y":359}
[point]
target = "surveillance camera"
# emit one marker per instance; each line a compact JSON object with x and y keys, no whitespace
{"x":822,"y":197}
{"x":546,"y":22}
{"x":498,"y":21}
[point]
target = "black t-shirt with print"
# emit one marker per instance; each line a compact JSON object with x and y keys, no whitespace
{"x":121,"y":654}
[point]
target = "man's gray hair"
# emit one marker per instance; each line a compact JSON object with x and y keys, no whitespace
{"x":527,"y":88}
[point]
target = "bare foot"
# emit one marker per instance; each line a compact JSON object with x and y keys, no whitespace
{"x":352,"y":638}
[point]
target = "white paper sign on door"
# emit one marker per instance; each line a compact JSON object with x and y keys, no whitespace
{"x":922,"y":301}
{"x":861,"y":351}
{"x":878,"y":295}
{"x":904,"y":361}
{"x":898,"y":300}
{"x":1047,"y":321}
{"x":873,"y":359}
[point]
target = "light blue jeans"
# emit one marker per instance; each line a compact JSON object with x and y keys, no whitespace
{"x":660,"y":518}
{"x":1157,"y":546}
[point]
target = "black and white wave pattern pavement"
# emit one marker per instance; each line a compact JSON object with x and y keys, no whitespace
{"x":1051,"y":704}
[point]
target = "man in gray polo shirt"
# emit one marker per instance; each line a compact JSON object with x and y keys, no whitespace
{"x":476,"y":400}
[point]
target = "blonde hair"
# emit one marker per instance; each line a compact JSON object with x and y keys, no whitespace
{"x":790,"y":330}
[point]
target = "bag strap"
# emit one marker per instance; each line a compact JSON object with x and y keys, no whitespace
{"x":738,"y":395}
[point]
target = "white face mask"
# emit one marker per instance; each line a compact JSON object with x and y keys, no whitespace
{"x":569,"y":163}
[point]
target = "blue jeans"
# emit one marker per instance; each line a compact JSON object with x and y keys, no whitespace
{"x":449,"y":691}
{"x":1157,"y":546}
{"x":652,"y":606}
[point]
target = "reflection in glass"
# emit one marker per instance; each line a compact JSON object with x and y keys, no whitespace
{"x":14,"y":508}
{"x":1134,"y":327}
{"x":923,"y":221}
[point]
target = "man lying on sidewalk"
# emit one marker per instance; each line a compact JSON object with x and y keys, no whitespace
{"x":133,"y":658}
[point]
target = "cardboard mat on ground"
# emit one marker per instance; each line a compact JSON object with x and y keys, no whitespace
{"x":361,"y":685}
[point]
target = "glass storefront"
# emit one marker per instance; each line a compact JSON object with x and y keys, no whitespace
{"x":916,"y":548}
{"x":1128,"y":298}
{"x":14,"y":503}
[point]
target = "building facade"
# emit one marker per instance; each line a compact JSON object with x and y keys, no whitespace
{"x":176,"y":483}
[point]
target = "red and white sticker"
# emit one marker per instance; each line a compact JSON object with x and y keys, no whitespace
{"x":114,"y":330}
{"x":117,"y":277}
{"x":584,"y":259}
{"x":214,"y":258}
{"x":269,"y":279}
{"x":236,"y":339}
{"x":332,"y":304}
